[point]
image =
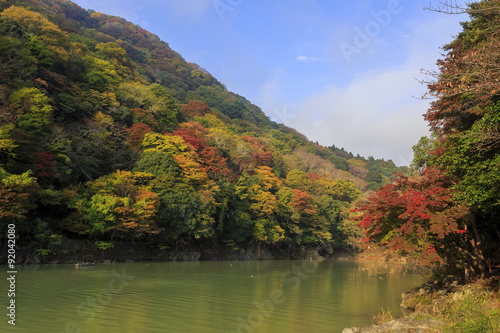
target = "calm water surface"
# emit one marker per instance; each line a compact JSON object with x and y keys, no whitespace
{"x":202,"y":297}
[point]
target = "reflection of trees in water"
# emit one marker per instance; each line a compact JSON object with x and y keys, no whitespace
{"x":385,"y":270}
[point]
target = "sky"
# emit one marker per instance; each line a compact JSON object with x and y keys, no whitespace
{"x":340,"y":72}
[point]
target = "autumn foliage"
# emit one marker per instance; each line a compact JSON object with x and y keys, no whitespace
{"x":468,"y":77}
{"x":416,"y":216}
{"x":107,"y":133}
{"x":448,"y":210}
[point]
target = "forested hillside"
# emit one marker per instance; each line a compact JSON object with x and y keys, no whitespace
{"x":108,"y":134}
{"x":448,"y":212}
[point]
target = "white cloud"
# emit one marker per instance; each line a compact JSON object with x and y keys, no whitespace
{"x":376,"y":114}
{"x":306,"y":58}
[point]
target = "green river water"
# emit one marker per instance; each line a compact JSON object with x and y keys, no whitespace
{"x":202,"y":297}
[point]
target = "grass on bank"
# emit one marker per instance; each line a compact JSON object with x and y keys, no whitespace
{"x":384,"y":316}
{"x":471,"y":308}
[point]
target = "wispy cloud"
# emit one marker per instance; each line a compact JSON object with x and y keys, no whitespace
{"x":374,"y":116}
{"x":309,"y":59}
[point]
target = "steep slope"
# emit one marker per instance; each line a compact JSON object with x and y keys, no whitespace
{"x":107,"y":133}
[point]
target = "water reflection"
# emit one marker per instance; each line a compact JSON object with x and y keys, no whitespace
{"x":259,"y":296}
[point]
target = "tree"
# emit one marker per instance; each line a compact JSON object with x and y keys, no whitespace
{"x":121,"y":203}
{"x":464,"y":118}
{"x":7,"y":144}
{"x":17,"y":196}
{"x":45,"y":166}
{"x":112,"y":52}
{"x":33,"y":107}
{"x":340,"y":189}
{"x":36,"y":24}
{"x":100,"y":74}
{"x":374,"y":176}
{"x":421,"y":153}
{"x":16,"y":60}
{"x":418,"y":216}
{"x":187,"y":200}
{"x":172,"y":144}
{"x":137,"y":133}
{"x":298,"y":180}
{"x":209,"y":158}
{"x":259,"y":190}
{"x":153,"y":105}
{"x":195,"y":109}
{"x":468,"y":77}
{"x":473,"y":158}
{"x":259,"y":155}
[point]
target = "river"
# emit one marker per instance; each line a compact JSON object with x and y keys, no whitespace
{"x":202,"y":297}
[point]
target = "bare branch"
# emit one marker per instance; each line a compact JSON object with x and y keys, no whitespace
{"x":448,"y":7}
{"x":452,"y":7}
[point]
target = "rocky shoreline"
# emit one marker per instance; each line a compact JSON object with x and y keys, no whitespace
{"x":415,"y":323}
{"x":71,"y":251}
{"x":449,"y":305}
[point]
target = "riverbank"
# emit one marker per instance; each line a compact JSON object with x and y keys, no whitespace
{"x":71,"y":251}
{"x":450,"y":305}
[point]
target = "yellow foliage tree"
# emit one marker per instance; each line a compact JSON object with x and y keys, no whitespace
{"x":172,"y":144}
{"x":37,"y":25}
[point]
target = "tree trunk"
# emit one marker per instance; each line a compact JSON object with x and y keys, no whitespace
{"x":480,"y":261}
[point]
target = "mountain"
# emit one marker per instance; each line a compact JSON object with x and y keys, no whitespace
{"x":107,"y":133}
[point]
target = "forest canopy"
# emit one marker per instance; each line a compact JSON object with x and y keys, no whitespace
{"x":107,"y":133}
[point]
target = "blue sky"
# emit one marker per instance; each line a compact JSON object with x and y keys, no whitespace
{"x":340,"y":72}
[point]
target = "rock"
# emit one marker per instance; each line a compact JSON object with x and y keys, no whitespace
{"x":191,"y":256}
{"x":34,"y":259}
{"x":84,"y":264}
{"x":351,"y":330}
{"x":411,"y":324}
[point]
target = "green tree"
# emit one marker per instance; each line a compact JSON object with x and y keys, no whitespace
{"x":33,"y":107}
{"x":421,"y":153}
{"x":119,"y":204}
{"x":17,"y":197}
{"x":298,"y":179}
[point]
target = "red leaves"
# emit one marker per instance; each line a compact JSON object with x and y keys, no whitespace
{"x":195,"y":108}
{"x":260,"y":156}
{"x":137,"y":132}
{"x":413,"y":215}
{"x":313,"y":176}
{"x":208,"y":157}
{"x":303,"y":202}
{"x":192,"y":135}
{"x":44,"y":166}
